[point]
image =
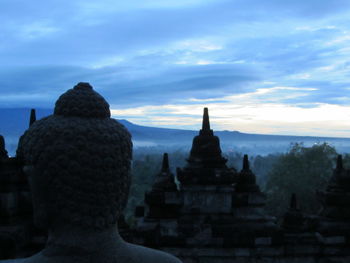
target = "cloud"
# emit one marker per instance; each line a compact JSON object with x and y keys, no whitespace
{"x":250,"y":112}
{"x":89,"y":31}
{"x":172,"y":85}
{"x":292,"y":54}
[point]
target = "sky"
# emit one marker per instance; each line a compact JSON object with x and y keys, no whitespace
{"x":260,"y":66}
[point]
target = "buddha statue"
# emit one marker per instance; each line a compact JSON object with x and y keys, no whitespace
{"x":78,"y":166}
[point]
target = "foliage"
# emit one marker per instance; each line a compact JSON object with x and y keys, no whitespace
{"x":302,"y":170}
{"x":234,"y":159}
{"x":146,"y":165}
{"x":144,"y":169}
{"x":261,"y":167}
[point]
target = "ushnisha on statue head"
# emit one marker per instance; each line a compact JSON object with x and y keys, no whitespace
{"x":78,"y":162}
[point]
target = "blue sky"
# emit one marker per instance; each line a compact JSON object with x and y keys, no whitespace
{"x":274,"y":67}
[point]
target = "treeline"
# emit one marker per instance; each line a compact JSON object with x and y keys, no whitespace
{"x":301,"y":170}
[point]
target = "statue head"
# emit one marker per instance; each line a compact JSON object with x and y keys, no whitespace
{"x":78,"y":162}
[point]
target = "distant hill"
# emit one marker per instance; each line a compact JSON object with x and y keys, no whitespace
{"x":159,"y":135}
{"x":13,"y":122}
{"x":230,"y":140}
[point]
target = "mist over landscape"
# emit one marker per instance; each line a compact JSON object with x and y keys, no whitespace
{"x":152,"y":139}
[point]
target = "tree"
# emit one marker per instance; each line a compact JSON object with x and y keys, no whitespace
{"x":261,"y":166}
{"x":146,"y":165}
{"x":302,"y":170}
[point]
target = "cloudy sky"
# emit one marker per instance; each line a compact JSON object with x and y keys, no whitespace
{"x":261,"y":66}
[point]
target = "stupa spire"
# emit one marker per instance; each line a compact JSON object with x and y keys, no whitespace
{"x":32,"y":117}
{"x":205,"y":123}
{"x":164,"y":180}
{"x":2,"y":143}
{"x":3,"y":152}
{"x":245,"y":163}
{"x":205,"y":158}
{"x":165,"y":163}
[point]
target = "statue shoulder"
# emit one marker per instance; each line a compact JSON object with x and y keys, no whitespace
{"x":19,"y":260}
{"x":145,"y":255}
{"x":33,"y":259}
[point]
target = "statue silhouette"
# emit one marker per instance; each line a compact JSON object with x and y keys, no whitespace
{"x":78,"y":166}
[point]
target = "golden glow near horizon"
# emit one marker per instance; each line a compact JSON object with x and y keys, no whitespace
{"x":262,"y":111}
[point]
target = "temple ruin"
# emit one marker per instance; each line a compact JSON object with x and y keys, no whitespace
{"x":207,"y":212}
